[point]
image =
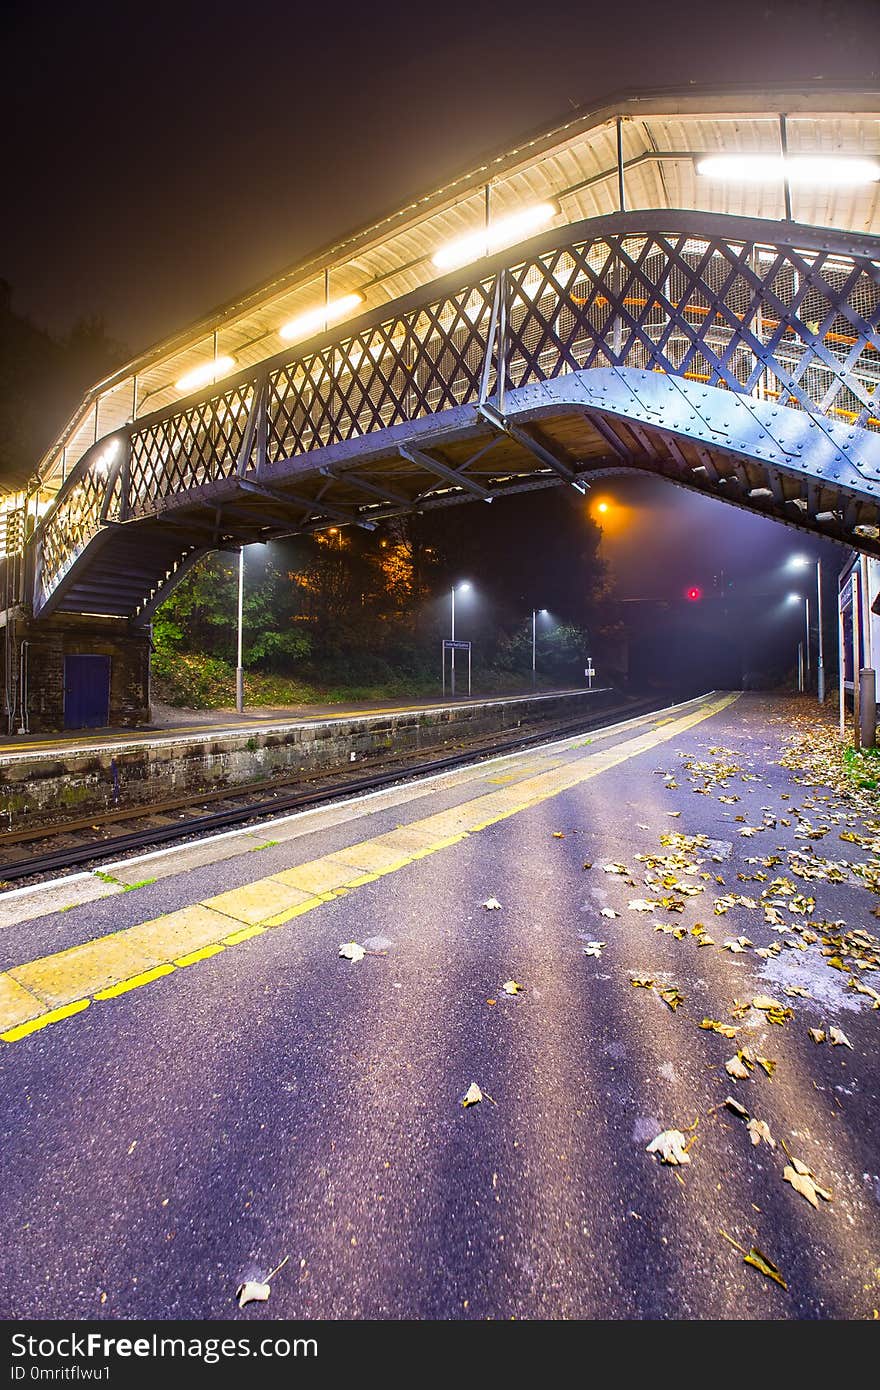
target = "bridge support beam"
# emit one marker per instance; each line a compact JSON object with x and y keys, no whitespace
{"x":52,"y":689}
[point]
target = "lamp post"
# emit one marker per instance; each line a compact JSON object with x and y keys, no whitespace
{"x":820,"y":656}
{"x":462,"y":588}
{"x":535,"y":612}
{"x":239,"y":670}
{"x":803,"y":648}
{"x":801,"y":562}
{"x":807,"y":633}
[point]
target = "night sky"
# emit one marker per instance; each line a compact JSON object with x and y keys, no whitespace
{"x":160,"y":158}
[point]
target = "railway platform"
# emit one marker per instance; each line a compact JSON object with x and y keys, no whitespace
{"x":83,"y":778}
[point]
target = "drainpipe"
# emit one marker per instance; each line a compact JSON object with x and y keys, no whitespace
{"x":22,"y":687}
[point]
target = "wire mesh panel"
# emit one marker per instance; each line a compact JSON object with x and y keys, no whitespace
{"x":803,"y":328}
{"x":423,"y":362}
{"x":187,"y":449}
{"x":90,"y":494}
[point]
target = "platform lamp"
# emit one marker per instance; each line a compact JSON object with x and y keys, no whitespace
{"x":462,"y":588}
{"x":801,"y":562}
{"x":803,"y":648}
{"x":536,"y":613}
{"x":239,"y":669}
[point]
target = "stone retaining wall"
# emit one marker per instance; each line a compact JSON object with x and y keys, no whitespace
{"x":58,"y":784}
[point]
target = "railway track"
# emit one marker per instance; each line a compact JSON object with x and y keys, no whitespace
{"x":33,"y":853}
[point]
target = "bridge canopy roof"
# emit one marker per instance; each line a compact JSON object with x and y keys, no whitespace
{"x":555,"y":177}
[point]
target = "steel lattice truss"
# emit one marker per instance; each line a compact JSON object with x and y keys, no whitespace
{"x":735,"y":357}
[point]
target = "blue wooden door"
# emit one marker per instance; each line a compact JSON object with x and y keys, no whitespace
{"x":86,"y":692}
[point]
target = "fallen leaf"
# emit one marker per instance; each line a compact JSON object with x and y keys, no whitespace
{"x":817,"y":1034}
{"x":838,"y":1037}
{"x":759,"y":1129}
{"x":511,"y":987}
{"x":609,"y":912}
{"x":491,"y":904}
{"x":352,"y":951}
{"x":861,"y":988}
{"x":765,"y":1265}
{"x":735,"y":1106}
{"x":724,"y":1029}
{"x":252,"y":1292}
{"x":764,"y":1001}
{"x":780,"y":1015}
{"x":671,"y":995}
{"x":594,"y":948}
{"x":558,"y":835}
{"x":736,"y":1068}
{"x":641,"y":905}
{"x":671,"y":1145}
{"x":472,"y":1096}
{"x":803,"y":1181}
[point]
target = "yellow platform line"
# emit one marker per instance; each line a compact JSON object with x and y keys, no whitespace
{"x":107,"y":967}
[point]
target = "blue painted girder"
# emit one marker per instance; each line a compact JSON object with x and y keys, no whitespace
{"x":695,"y":435}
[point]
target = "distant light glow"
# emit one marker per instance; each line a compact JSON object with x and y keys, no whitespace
{"x":840,"y":171}
{"x":795,"y":598}
{"x":101,"y":462}
{"x":798,"y":562}
{"x":694,"y":594}
{"x":207,"y":372}
{"x":304,"y":325}
{"x":506,"y":231}
{"x":463,"y":587}
{"x":602,"y":507}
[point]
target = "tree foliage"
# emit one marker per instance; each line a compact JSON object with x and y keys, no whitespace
{"x":347,"y":608}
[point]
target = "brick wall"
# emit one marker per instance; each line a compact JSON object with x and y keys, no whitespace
{"x":51,"y":639}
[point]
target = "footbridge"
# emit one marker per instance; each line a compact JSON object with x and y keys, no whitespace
{"x":736,"y":358}
{"x":723,"y":336}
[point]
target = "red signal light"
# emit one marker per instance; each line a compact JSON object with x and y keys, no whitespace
{"x":694,"y":594}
